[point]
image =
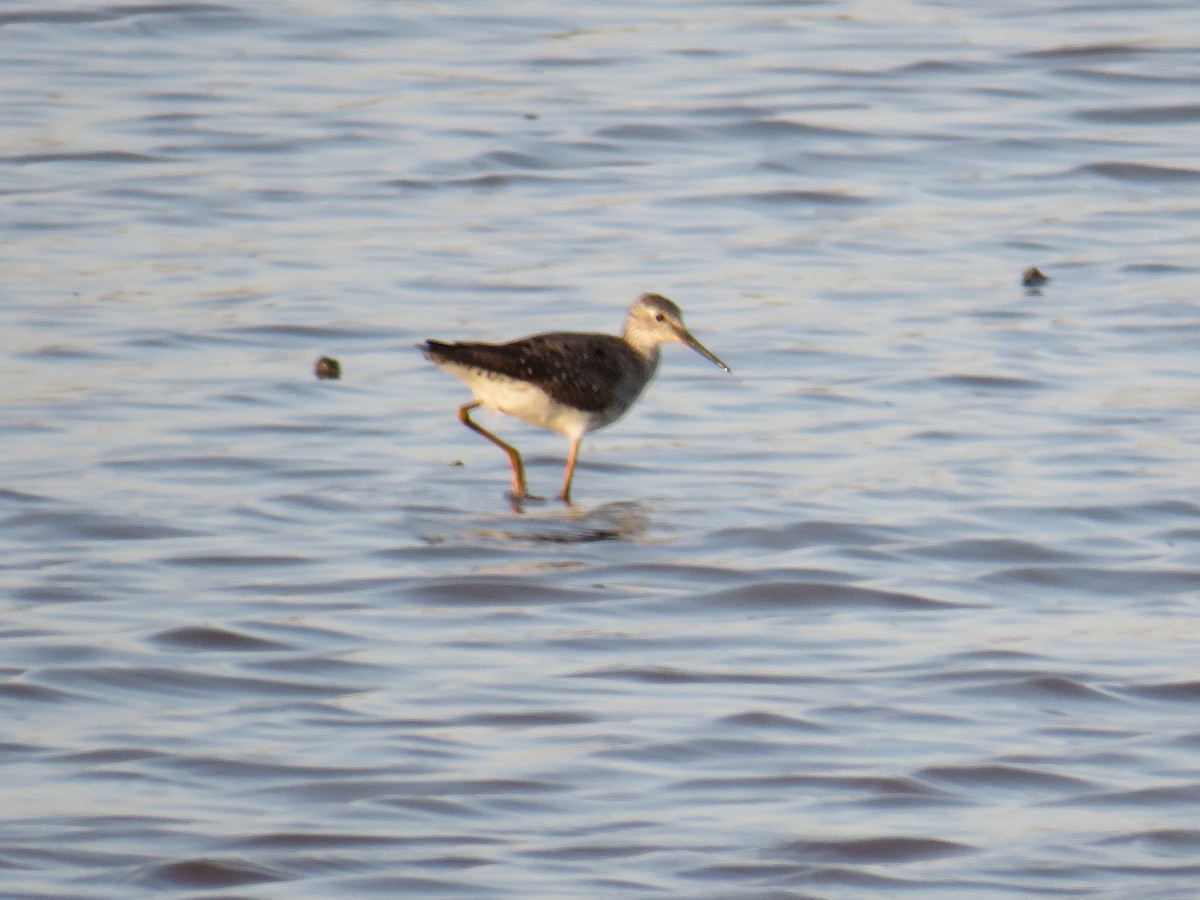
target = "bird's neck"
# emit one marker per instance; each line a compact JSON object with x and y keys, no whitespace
{"x":645,"y":347}
{"x":642,"y":342}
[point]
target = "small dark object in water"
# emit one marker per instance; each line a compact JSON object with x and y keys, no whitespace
{"x":1034,"y":277}
{"x":328,"y":368}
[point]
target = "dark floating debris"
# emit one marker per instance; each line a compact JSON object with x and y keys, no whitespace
{"x":328,"y":369}
{"x":1033,"y":277}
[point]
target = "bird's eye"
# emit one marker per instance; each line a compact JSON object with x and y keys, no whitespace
{"x":660,"y":318}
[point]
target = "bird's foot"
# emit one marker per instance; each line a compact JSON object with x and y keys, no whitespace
{"x":518,"y":501}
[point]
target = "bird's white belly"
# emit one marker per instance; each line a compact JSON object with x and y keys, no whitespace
{"x":528,"y":403}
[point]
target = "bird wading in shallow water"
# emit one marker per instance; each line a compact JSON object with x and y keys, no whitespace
{"x":566,"y":381}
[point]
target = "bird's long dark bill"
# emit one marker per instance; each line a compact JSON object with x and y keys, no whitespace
{"x":686,"y":337}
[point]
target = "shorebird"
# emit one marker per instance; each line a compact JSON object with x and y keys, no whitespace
{"x":566,"y":381}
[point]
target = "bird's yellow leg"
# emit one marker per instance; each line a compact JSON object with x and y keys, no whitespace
{"x":565,"y":494}
{"x":514,"y":458}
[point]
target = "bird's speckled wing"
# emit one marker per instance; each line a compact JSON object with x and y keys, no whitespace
{"x":589,"y":372}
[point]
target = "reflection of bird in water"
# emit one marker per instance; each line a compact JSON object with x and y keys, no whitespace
{"x":621,"y":520}
{"x":569,"y":382}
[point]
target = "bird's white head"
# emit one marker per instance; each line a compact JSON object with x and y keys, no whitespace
{"x":655,"y":320}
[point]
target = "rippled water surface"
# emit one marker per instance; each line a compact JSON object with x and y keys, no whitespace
{"x":907,"y":606}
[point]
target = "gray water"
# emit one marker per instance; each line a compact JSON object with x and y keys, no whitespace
{"x":907,"y":606}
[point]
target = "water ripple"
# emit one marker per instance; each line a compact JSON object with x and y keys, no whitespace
{"x":904,"y":606}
